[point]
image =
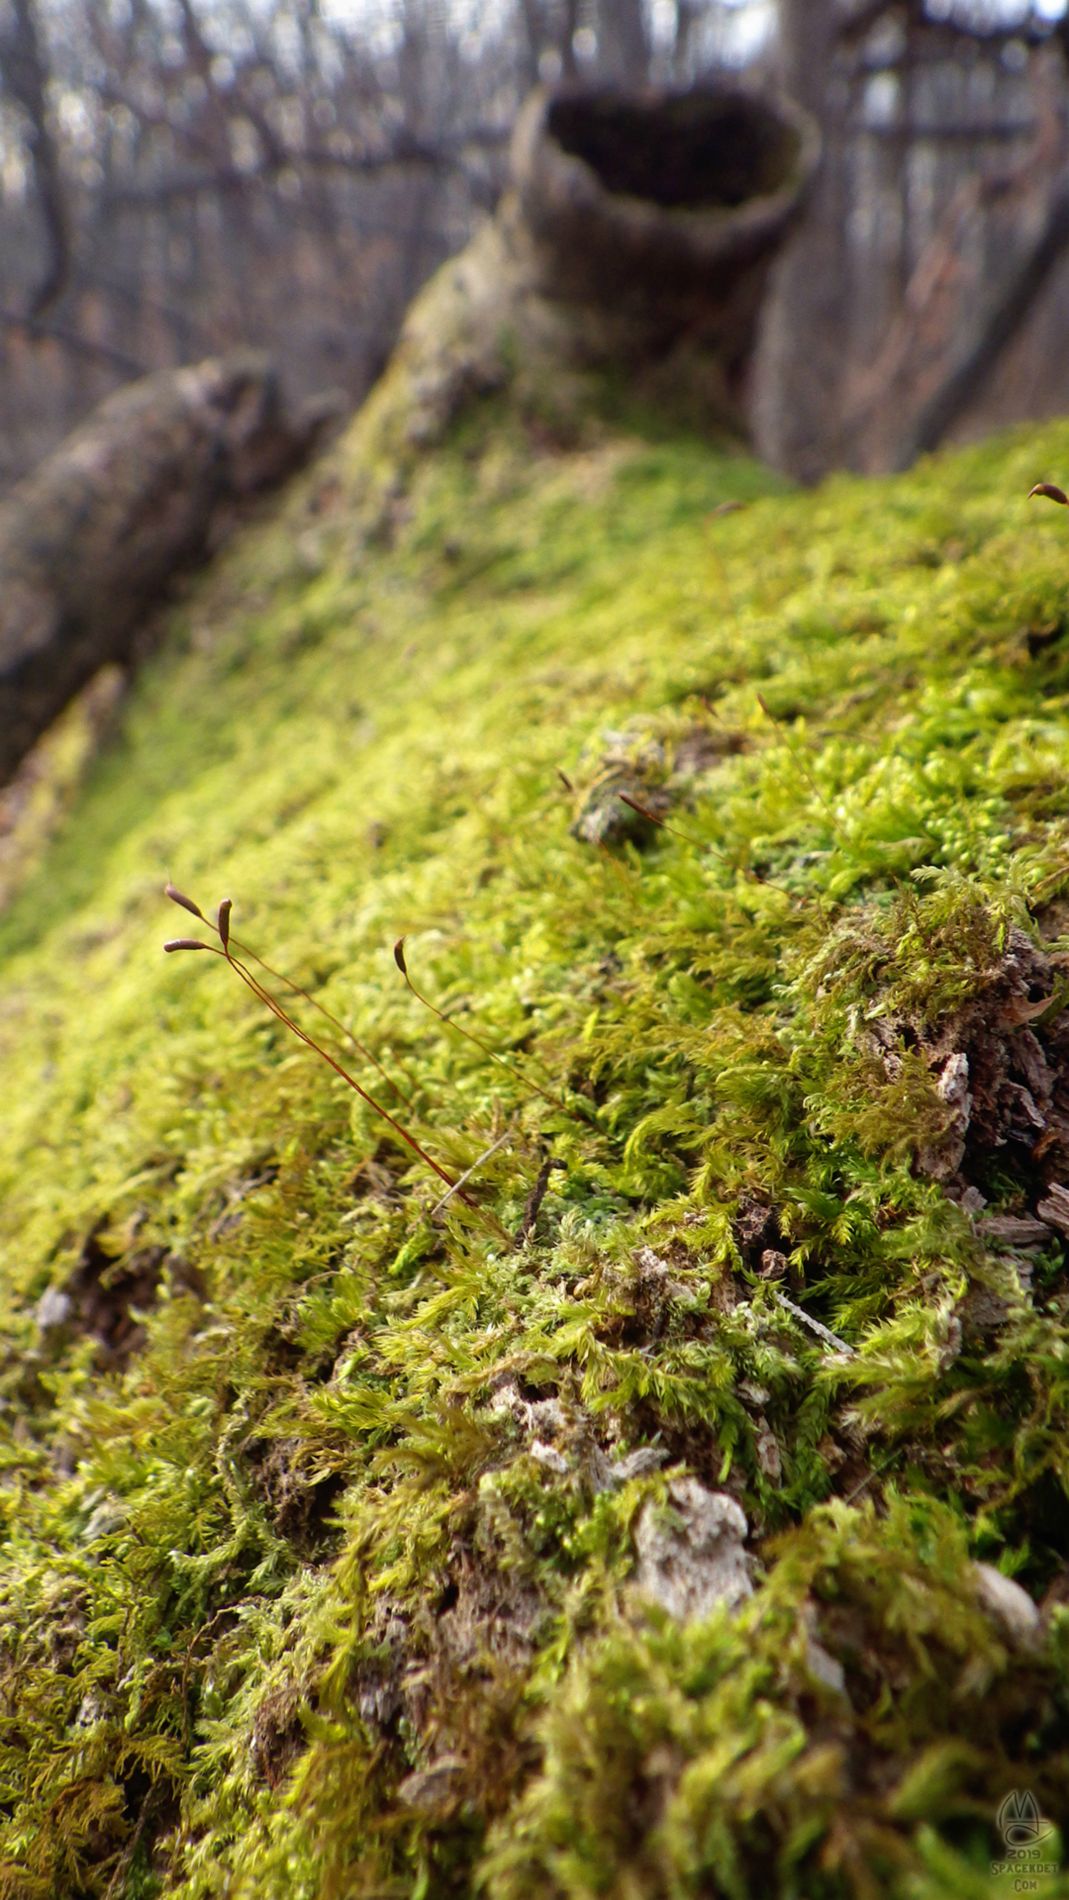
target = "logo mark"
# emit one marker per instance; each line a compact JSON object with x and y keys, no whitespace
{"x":1020,"y":1823}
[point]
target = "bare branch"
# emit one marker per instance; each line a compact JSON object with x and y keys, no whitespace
{"x":945,"y":132}
{"x":407,"y":151}
{"x":70,"y":340}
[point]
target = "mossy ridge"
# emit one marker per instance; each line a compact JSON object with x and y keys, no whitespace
{"x":295,"y":1601}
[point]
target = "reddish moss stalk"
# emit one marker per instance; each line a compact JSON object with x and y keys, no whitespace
{"x":468,"y":1034}
{"x":226,"y":952}
{"x":245,"y":950}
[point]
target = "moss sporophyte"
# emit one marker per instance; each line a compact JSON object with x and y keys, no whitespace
{"x":239,"y":955}
{"x":234,"y":953}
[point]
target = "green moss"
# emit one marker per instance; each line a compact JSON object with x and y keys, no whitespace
{"x":319,"y":1573}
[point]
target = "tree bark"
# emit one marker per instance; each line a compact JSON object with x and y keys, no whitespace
{"x":797,"y":421}
{"x":532,"y":39}
{"x":25,"y":79}
{"x":623,"y":40}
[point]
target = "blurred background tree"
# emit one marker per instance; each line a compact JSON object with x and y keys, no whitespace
{"x":180,"y":176}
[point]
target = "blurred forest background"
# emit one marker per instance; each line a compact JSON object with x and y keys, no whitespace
{"x":178,"y":177}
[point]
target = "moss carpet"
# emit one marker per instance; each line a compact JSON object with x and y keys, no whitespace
{"x":322,"y":1500}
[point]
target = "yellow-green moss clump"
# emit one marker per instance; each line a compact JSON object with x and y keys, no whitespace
{"x":339,"y":1530}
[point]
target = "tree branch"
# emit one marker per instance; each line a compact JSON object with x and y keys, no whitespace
{"x":407,"y":151}
{"x":944,"y":132}
{"x":70,"y":340}
{"x":1000,"y":324}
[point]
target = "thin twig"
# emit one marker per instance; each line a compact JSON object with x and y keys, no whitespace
{"x":41,"y":331}
{"x":647,"y":811}
{"x":815,"y":1325}
{"x":264,"y":995}
{"x":535,"y":1199}
{"x":276,"y":1009}
{"x":463,"y":1179}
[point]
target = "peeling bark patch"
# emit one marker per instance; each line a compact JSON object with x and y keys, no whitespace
{"x":1001,"y":1071}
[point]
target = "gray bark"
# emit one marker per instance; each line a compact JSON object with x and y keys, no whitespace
{"x":623,"y":40}
{"x":797,"y":423}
